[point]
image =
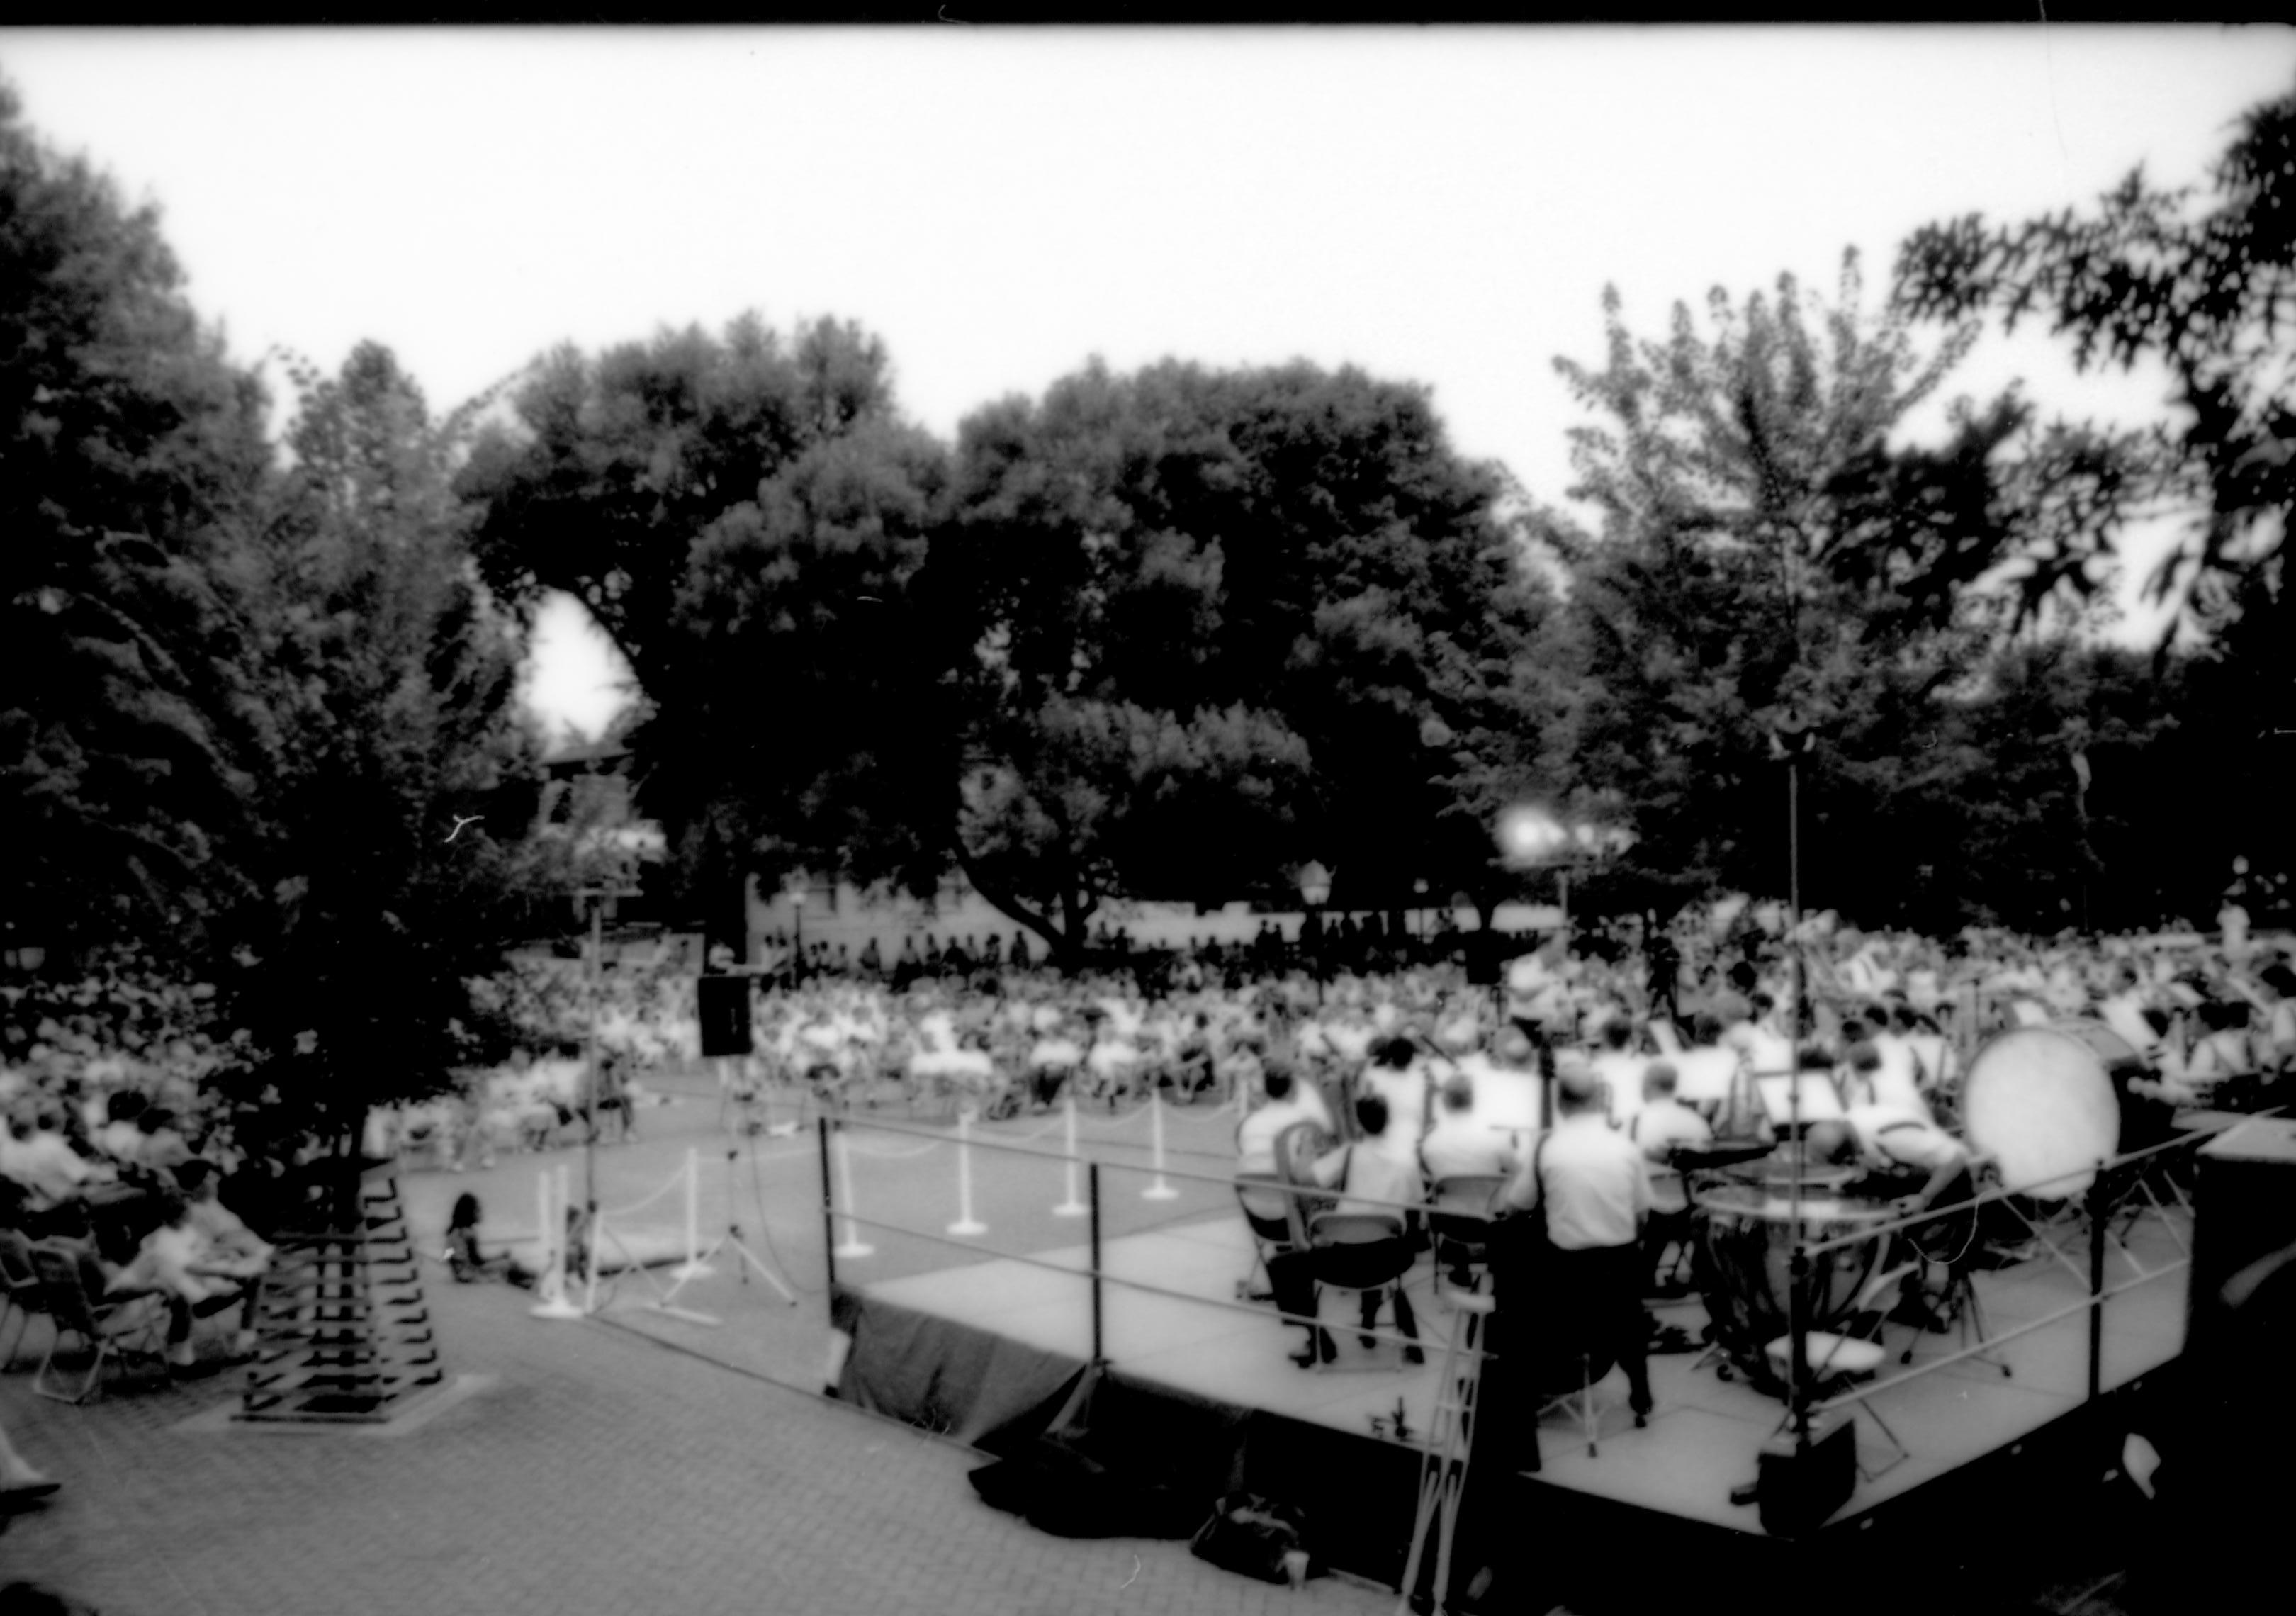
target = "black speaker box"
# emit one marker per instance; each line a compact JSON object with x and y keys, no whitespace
{"x":1796,"y":1491}
{"x":723,"y":1002}
{"x":2243,"y":1207}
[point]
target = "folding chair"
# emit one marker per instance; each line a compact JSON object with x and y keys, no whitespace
{"x":1458,"y":1218}
{"x":126,"y":1328}
{"x":1836,"y":1361}
{"x":1366,"y":1254}
{"x":21,"y":1294}
{"x":1267,"y":1213}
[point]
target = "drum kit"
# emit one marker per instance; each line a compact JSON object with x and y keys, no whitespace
{"x":2045,"y":1102}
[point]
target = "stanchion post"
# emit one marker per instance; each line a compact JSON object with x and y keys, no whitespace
{"x":852,"y":1245}
{"x":966,"y":1223}
{"x":694,"y":1268}
{"x":1099,"y":1356}
{"x":1159,"y":1190}
{"x":554,"y":1303}
{"x":1070,"y":1207}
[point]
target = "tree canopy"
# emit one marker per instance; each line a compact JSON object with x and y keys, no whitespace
{"x":1772,"y":563}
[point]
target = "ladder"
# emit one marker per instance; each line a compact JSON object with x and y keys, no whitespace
{"x":342,"y":1333}
{"x":1443,"y":1473}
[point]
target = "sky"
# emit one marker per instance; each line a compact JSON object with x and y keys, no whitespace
{"x":1443,"y":206}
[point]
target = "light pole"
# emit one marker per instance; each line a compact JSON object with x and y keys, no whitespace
{"x":1315,"y":891}
{"x":796,"y":893}
{"x":616,"y":882}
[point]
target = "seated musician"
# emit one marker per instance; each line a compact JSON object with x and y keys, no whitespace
{"x":1619,"y":1068}
{"x":1662,"y":1126}
{"x":1287,"y":1103}
{"x":1920,"y":1168}
{"x":1371,"y":1176}
{"x":1460,"y":1146}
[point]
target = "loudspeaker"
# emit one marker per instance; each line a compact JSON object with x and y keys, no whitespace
{"x":2243,"y":1207}
{"x":1797,"y":1491}
{"x":723,"y":1002}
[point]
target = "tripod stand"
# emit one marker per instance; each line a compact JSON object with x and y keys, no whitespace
{"x":700,"y":1268}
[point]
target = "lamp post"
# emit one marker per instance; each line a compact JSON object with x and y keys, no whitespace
{"x":796,"y":893}
{"x":615,"y":881}
{"x":1790,"y":740}
{"x":1532,"y":838}
{"x":1315,"y":891}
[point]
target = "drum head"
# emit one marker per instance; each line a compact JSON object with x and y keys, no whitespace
{"x":2039,"y":1101}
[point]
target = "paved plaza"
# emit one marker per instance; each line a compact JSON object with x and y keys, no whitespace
{"x":592,"y":1469}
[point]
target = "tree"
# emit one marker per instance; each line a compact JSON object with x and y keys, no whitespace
{"x":2203,"y":282}
{"x":1222,"y":623}
{"x":1766,"y":555}
{"x":642,"y":481}
{"x":127,"y":439}
{"x":396,"y":779}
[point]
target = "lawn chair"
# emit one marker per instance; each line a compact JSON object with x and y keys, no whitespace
{"x":124,"y":1329}
{"x":20,"y":1291}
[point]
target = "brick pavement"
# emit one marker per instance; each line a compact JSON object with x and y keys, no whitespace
{"x":598,"y":1472}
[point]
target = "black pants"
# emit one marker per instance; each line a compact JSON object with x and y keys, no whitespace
{"x":1555,"y":1310}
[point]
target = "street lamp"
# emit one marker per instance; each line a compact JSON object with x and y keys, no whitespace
{"x":1531,"y":838}
{"x":1315,"y":891}
{"x":796,"y":893}
{"x":615,"y":881}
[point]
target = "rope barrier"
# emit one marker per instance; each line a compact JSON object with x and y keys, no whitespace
{"x":922,"y":1150}
{"x":668,"y":1184}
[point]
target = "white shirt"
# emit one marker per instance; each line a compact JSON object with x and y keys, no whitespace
{"x":1256,"y":1135}
{"x":1370,"y":1174}
{"x":1623,"y":1072}
{"x":1462,"y":1144}
{"x":1900,"y":1137}
{"x":1594,"y":1183}
{"x":1656,"y":1129}
{"x":1898,"y":1082}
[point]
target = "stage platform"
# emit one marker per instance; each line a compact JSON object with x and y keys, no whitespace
{"x":992,"y":1349}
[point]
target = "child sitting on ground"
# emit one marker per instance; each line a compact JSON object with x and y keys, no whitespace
{"x":464,"y":1256}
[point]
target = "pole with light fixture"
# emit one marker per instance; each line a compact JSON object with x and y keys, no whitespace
{"x":1315,"y":891}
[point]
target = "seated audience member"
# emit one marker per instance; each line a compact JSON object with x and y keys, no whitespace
{"x":225,"y":1233}
{"x":41,"y":1160}
{"x":161,"y":1148}
{"x":120,"y":1138}
{"x":466,"y":1260}
{"x":178,"y":1263}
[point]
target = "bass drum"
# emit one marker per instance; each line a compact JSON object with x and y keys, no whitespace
{"x":2046,"y":1103}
